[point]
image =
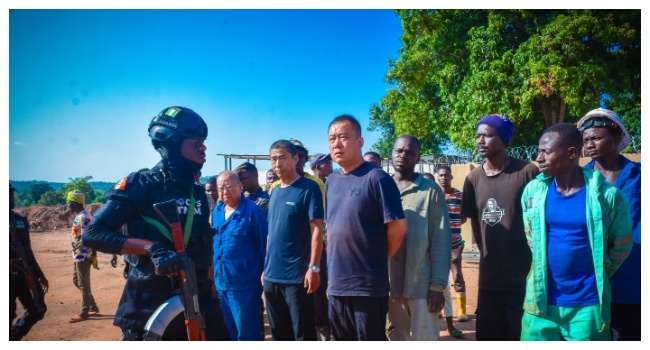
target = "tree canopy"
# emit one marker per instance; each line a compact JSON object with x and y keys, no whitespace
{"x":539,"y":67}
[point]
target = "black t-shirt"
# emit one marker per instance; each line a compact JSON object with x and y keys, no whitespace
{"x":291,"y":211}
{"x":494,"y":204}
{"x":359,"y":205}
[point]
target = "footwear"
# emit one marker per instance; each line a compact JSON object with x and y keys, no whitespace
{"x":455,"y":333}
{"x":93,"y":311}
{"x":462,"y":307}
{"x":78,"y":318}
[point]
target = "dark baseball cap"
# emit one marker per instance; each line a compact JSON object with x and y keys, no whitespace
{"x":317,"y":158}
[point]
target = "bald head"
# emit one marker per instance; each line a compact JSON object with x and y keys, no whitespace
{"x":229,"y":188}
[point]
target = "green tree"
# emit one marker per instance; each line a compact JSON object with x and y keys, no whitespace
{"x":100,"y":197}
{"x":51,"y":198}
{"x":81,"y":184}
{"x":539,"y":67}
{"x":32,"y":193}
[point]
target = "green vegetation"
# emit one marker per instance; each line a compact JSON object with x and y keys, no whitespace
{"x":539,"y":67}
{"x":29,"y":193}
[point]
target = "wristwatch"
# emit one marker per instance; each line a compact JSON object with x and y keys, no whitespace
{"x":314,"y":268}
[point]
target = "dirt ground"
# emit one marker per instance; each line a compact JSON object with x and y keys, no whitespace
{"x":52,"y":250}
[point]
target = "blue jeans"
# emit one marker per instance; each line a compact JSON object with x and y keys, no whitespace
{"x":241,"y":312}
{"x":290,"y":311}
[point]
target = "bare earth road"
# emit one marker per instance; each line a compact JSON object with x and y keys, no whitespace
{"x":52,"y":250}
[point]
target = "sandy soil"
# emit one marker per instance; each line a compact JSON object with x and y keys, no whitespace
{"x":52,"y":250}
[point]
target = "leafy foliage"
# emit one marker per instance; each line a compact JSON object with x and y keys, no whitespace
{"x":50,"y":198}
{"x":81,"y":184}
{"x":32,"y":194}
{"x":539,"y":67}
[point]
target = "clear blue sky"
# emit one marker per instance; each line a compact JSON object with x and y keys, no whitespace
{"x":84,"y":84}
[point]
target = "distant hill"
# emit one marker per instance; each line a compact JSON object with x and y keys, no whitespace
{"x":96,"y":185}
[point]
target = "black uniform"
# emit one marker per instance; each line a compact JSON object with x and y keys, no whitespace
{"x":18,"y":282}
{"x":130,"y":200}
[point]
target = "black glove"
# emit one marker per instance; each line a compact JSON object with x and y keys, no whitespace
{"x":165,"y":260}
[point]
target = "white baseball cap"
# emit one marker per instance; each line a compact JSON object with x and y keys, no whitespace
{"x":617,"y":122}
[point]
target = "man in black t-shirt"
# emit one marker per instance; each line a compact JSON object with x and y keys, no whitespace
{"x":365,"y":225}
{"x":491,"y":196}
{"x":295,"y":242}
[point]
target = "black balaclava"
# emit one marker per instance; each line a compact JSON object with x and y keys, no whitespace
{"x":180,"y":169}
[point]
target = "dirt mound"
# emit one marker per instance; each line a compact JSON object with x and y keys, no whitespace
{"x":57,"y":217}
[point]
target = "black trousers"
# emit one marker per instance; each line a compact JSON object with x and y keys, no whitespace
{"x":290,"y":311}
{"x":499,"y":314}
{"x":18,"y":289}
{"x":626,"y":320}
{"x":358,"y":317}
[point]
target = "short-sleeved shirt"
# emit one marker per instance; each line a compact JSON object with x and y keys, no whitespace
{"x":359,"y":205}
{"x":291,"y":210}
{"x":454,"y":201}
{"x":81,"y":221}
{"x":494,"y":203}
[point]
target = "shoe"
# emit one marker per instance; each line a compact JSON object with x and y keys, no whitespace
{"x":455,"y":333}
{"x":93,"y":311}
{"x":78,"y":318}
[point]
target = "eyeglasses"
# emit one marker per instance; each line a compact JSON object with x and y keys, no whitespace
{"x":228,"y":187}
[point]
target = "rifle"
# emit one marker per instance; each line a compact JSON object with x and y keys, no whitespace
{"x":188,"y":293}
{"x":17,"y":247}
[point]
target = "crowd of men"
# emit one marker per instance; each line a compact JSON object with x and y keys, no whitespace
{"x":361,"y":254}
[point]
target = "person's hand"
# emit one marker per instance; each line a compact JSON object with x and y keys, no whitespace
{"x":125,"y":273}
{"x":114,"y":260}
{"x":165,"y":261}
{"x":312,"y":281}
{"x":15,"y":266}
{"x":435,"y":301}
{"x":45,"y":285}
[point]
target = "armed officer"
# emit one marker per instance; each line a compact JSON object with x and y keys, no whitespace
{"x":178,"y":134}
{"x":23,"y":267}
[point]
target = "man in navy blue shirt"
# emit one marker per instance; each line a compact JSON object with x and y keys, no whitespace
{"x":295,"y":241}
{"x":604,"y":137}
{"x":366,"y":226}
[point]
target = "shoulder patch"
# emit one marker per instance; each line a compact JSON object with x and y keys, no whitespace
{"x":120,"y":185}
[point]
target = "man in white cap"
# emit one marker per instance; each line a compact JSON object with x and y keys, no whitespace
{"x":604,"y":137}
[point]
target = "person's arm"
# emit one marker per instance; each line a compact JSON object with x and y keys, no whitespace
{"x":102,"y":235}
{"x":262,"y":232}
{"x":469,"y":211}
{"x":312,"y":278}
{"x":439,"y":238}
{"x":619,"y":234}
{"x":31,"y":260}
{"x":395,"y":236}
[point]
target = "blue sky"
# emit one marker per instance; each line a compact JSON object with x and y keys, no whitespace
{"x":84,"y":84}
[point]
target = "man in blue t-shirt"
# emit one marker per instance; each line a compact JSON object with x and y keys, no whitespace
{"x":295,"y":242}
{"x":365,"y":225}
{"x":604,"y":136}
{"x":578,"y":229}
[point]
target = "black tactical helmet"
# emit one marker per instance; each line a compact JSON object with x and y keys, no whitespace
{"x":177,"y":122}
